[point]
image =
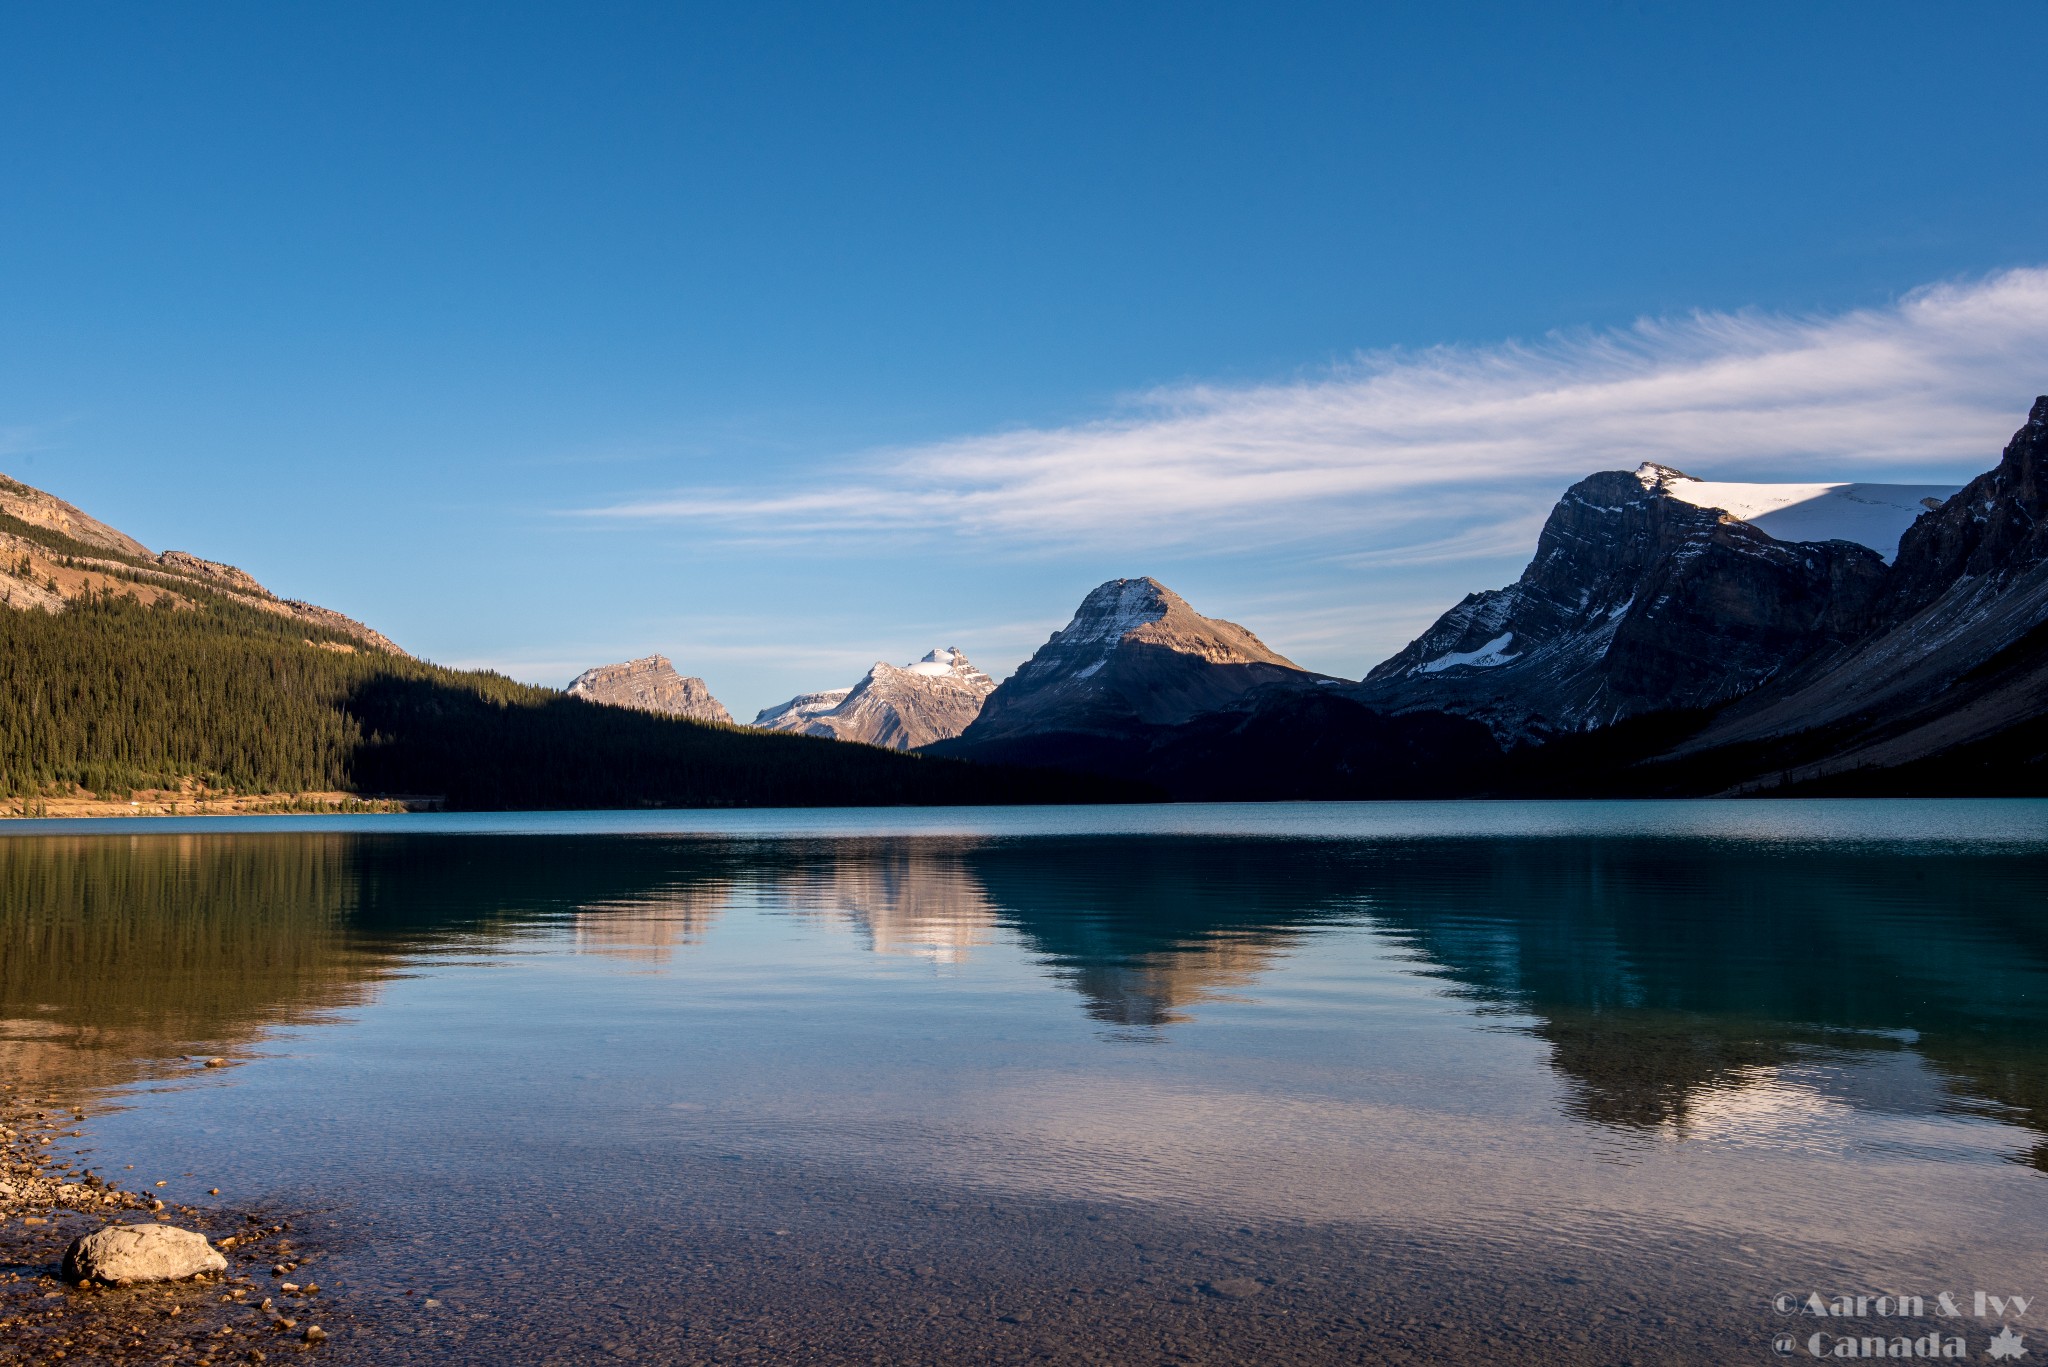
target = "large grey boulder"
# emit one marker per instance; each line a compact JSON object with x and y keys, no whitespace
{"x":121,"y":1255}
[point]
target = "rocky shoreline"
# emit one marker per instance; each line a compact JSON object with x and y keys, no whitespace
{"x":266,"y":1303}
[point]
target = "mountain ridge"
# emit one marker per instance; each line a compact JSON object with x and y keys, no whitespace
{"x":51,"y":552}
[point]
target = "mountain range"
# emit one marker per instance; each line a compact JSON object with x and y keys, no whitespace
{"x":1671,"y":635}
{"x":126,"y":674}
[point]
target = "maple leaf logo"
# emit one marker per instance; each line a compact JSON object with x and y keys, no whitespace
{"x":2006,"y":1344}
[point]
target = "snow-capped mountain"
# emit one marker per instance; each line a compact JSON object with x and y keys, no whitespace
{"x":1652,"y":591}
{"x":650,"y":684}
{"x":898,"y":706}
{"x":1850,"y":637}
{"x":794,"y":714}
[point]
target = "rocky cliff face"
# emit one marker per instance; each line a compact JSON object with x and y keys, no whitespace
{"x":1135,"y":655}
{"x":1638,"y":600}
{"x":650,"y":685}
{"x":1956,"y":651}
{"x":900,"y":707}
{"x":50,"y":553}
{"x":39,"y":509}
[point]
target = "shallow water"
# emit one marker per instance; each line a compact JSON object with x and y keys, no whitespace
{"x":1539,"y":1082}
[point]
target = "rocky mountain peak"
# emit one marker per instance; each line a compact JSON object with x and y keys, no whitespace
{"x":1135,"y":653}
{"x":900,"y":707}
{"x":1131,"y":611}
{"x":650,"y":684}
{"x":1644,"y":594}
{"x":1113,"y":609}
{"x":949,"y":662}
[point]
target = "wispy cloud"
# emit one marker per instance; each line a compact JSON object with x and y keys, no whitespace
{"x":1374,"y":451}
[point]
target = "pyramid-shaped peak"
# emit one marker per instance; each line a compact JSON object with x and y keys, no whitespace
{"x":1114,"y":609}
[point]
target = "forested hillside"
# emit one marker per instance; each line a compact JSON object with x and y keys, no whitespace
{"x":111,"y":693}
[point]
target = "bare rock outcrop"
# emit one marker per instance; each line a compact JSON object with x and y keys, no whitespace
{"x":227,"y":576}
{"x":650,"y":684}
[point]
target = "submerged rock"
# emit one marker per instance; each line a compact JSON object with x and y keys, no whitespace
{"x":121,"y":1255}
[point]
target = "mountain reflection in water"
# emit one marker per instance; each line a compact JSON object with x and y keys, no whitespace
{"x":1669,"y":980}
{"x":1463,"y":1084}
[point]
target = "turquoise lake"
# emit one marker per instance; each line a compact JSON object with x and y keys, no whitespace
{"x":1433,"y":1082}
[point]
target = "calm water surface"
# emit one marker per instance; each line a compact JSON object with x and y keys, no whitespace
{"x":1477,"y":1082}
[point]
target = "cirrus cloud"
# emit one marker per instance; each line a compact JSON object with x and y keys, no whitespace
{"x":1433,"y":454}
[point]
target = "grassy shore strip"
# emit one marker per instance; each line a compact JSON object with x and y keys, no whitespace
{"x":48,"y":1198}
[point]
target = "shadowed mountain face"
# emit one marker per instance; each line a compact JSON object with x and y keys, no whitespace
{"x":1134,"y":655}
{"x":1638,"y":600}
{"x":1948,"y":689}
{"x":1140,"y":685}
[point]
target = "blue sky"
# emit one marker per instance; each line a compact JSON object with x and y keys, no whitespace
{"x":780,"y":339}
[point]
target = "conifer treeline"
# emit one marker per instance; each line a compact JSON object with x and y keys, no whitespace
{"x":112,"y":696}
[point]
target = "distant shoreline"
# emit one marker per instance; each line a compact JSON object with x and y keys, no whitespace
{"x":191,"y":802}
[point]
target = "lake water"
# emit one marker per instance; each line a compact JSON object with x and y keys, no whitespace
{"x":1458,"y":1082}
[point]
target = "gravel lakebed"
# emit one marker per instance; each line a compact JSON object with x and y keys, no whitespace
{"x":268,"y":1304}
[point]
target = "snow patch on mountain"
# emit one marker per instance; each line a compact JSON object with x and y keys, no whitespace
{"x":939,"y":664}
{"x":1873,"y":515}
{"x":1493,"y":653}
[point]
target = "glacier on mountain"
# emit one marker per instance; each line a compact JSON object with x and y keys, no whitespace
{"x":1873,"y":515}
